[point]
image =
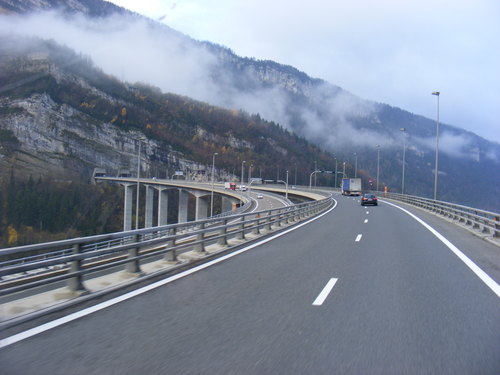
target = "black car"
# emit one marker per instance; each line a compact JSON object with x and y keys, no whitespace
{"x":369,"y":199}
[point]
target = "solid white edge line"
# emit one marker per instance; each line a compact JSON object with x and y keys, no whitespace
{"x":90,"y":310}
{"x":358,"y":237}
{"x":325,"y":292}
{"x":485,"y":278}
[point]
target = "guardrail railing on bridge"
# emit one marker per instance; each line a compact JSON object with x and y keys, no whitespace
{"x":73,"y":259}
{"x":484,"y":221}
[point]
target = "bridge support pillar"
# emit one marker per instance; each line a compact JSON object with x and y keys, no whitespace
{"x":162,"y":206}
{"x":127,"y":207}
{"x":183,"y":206}
{"x":149,"y":206}
{"x":201,"y":208}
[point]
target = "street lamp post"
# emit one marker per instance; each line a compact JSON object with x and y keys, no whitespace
{"x":140,"y":139}
{"x":315,"y":168}
{"x":250,"y":172}
{"x":242,"y":171}
{"x":355,"y":165}
{"x":378,"y":163}
{"x":335,"y":173}
{"x":249,"y":176}
{"x":212,"y":194}
{"x":404,"y":152}
{"x":436,"y":170}
{"x":286,"y":194}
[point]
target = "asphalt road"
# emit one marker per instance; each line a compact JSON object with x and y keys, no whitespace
{"x":400,"y":303}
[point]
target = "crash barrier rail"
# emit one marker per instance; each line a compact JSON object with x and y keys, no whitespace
{"x":106,"y":243}
{"x":484,"y":221}
{"x":79,"y":257}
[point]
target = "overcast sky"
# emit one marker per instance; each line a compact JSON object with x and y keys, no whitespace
{"x":390,"y":51}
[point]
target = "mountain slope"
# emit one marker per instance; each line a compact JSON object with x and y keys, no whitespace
{"x":316,"y":110}
{"x":60,"y":115}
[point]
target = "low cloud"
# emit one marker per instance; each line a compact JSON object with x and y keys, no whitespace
{"x":135,"y":49}
{"x":458,"y":146}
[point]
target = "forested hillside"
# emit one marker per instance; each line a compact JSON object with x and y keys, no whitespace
{"x":43,"y":210}
{"x":60,"y":117}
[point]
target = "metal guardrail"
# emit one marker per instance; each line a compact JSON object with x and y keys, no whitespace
{"x":76,"y":258}
{"x":484,"y":221}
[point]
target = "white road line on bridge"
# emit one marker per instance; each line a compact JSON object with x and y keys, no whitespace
{"x":358,"y":238}
{"x":90,"y":310}
{"x":366,"y":221}
{"x":367,"y":212}
{"x":485,"y":278}
{"x":325,"y":292}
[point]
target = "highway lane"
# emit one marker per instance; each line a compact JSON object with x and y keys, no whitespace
{"x":403,"y":303}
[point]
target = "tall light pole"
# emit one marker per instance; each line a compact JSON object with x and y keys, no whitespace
{"x":378,"y":163}
{"x":404,"y":152}
{"x":140,"y":139}
{"x":436,"y":170}
{"x":286,"y":195}
{"x":335,"y":173}
{"x":315,"y":168}
{"x":242,"y":171}
{"x":212,"y":195}
{"x":355,"y":165}
{"x":250,"y":172}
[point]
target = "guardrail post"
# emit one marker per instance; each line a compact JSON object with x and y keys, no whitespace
{"x":303,"y":213}
{"x":496,"y":230}
{"x":200,"y":238}
{"x":475,"y":225}
{"x":268,"y":221}
{"x":297,"y":214}
{"x":486,"y":227}
{"x":256,"y":228}
{"x":279,"y":218}
{"x":171,"y":256}
{"x":75,"y":284}
{"x":468,"y":221}
{"x":241,"y":229}
{"x":287,"y":217}
{"x":133,"y":265}
{"x":222,"y":241}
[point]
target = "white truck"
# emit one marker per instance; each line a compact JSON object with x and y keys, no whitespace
{"x":351,"y":186}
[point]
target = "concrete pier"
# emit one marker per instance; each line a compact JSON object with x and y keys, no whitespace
{"x":127,"y":206}
{"x":162,"y":206}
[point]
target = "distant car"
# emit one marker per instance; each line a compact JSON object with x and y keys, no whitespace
{"x":369,"y":199}
{"x":260,"y":196}
{"x":243,"y":188}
